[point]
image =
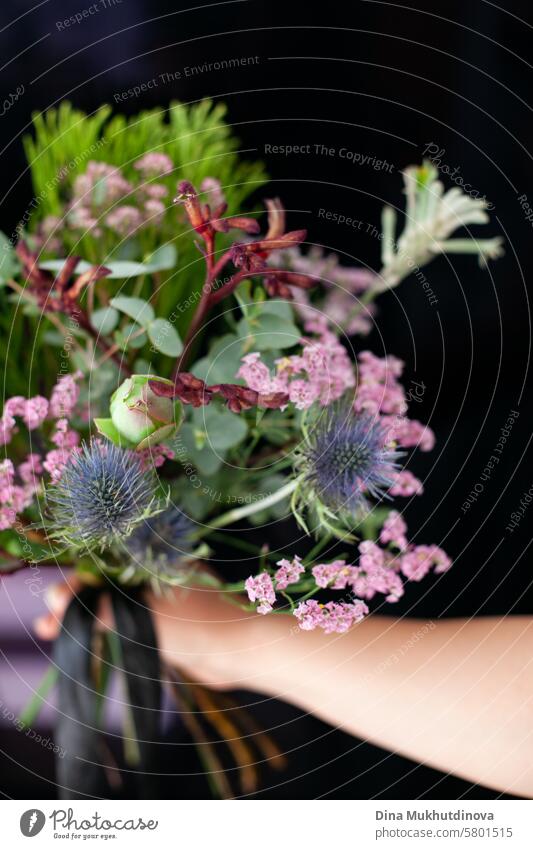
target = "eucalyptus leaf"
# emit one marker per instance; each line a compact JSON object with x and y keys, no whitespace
{"x":222,"y":428}
{"x":104,"y":320}
{"x":222,"y":362}
{"x":120,"y":269}
{"x":164,"y":337}
{"x":268,"y":331}
{"x":138,"y":309}
{"x":205,"y":459}
{"x":162,"y":259}
{"x":279,"y":307}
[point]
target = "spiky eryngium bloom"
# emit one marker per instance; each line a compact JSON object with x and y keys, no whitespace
{"x":343,"y":458}
{"x":160,"y":543}
{"x":102,"y":496}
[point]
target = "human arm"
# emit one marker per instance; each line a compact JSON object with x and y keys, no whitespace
{"x":455,"y":694}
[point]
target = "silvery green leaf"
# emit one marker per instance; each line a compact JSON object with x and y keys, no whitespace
{"x":164,"y":336}
{"x":268,"y":331}
{"x":104,"y":320}
{"x":162,"y":259}
{"x":138,"y":309}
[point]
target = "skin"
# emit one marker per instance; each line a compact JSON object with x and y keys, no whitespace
{"x":456,"y":694}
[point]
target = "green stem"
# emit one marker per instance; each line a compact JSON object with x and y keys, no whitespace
{"x":317,"y":549}
{"x":249,"y":509}
{"x":31,"y":711}
{"x":249,"y":547}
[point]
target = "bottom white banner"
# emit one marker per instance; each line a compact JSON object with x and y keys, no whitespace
{"x":241,"y":824}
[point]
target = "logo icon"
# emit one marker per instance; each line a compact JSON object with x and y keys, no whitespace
{"x":32,"y":822}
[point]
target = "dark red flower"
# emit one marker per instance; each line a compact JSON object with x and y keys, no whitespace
{"x":205,"y":222}
{"x":59,"y":293}
{"x":188,"y":388}
{"x":191,"y":390}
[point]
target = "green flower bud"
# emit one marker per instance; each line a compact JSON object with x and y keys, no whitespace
{"x":139,"y":417}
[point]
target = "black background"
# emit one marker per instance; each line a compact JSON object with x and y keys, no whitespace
{"x":383,"y":79}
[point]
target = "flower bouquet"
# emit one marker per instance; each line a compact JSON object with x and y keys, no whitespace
{"x":194,"y":375}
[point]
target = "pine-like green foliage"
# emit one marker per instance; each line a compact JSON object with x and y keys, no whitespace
{"x":196,"y":138}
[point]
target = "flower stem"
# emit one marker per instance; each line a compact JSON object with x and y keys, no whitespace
{"x":248,"y":509}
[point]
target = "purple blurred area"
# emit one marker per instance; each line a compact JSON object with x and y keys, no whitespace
{"x":29,"y":760}
{"x":24,"y":658}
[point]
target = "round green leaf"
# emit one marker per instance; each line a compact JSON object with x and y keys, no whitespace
{"x":139,"y":310}
{"x":268,"y":331}
{"x":104,"y":320}
{"x":164,"y":336}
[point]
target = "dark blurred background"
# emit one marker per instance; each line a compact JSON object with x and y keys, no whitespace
{"x":384,"y":80}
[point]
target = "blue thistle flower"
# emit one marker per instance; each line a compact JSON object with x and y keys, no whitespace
{"x":160,"y":542}
{"x":343,"y":458}
{"x":102,"y":495}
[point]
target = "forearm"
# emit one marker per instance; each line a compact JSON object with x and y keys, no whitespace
{"x":456,"y":694}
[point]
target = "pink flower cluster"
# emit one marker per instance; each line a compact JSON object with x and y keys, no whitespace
{"x":104,"y":198}
{"x":19,"y":485}
{"x":380,"y":392}
{"x":394,"y":531}
{"x":261,"y":588}
{"x":288,"y":573}
{"x":321,"y":372}
{"x":418,"y":562}
{"x":376,"y":573}
{"x":15,"y":497}
{"x":380,"y":570}
{"x":33,"y":411}
{"x":155,"y":456}
{"x":335,"y":617}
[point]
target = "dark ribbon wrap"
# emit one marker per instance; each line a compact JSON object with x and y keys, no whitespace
{"x":84,"y":769}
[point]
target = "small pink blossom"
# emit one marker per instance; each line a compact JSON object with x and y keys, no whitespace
{"x":261,"y":589}
{"x":322,"y":372}
{"x":288,"y":573}
{"x":63,"y":437}
{"x":372,"y":556}
{"x":155,"y":456}
{"x":378,"y":389}
{"x":255,"y":373}
{"x":409,"y":432}
{"x":405,"y":484}
{"x":394,"y":530}
{"x":336,"y":575}
{"x":377,"y":579}
{"x":124,"y":220}
{"x":7,"y":428}
{"x":65,"y":396}
{"x":55,"y":462}
{"x":30,"y":469}
{"x":333,"y":617}
{"x":416,"y":564}
{"x":157,"y":191}
{"x":13,"y":498}
{"x":154,"y":164}
{"x":15,"y":406}
{"x":303,"y":394}
{"x":104,"y":176}
{"x":154,"y":210}
{"x":35,"y":412}
{"x":213,"y":188}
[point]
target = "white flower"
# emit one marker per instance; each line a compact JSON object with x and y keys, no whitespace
{"x":432,"y":215}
